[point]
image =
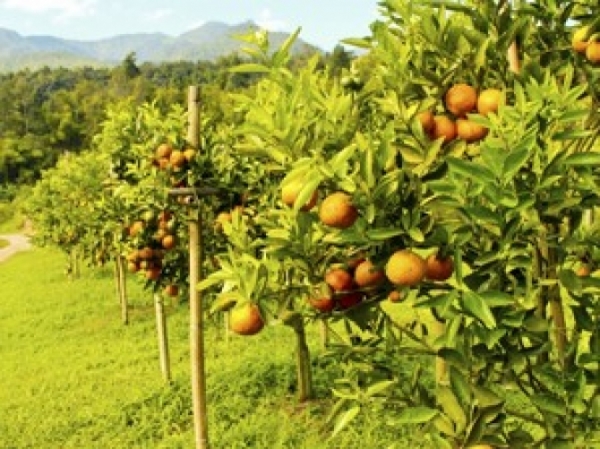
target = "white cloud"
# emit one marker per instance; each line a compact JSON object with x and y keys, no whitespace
{"x":157,"y":14}
{"x":63,"y":8}
{"x":268,"y":22}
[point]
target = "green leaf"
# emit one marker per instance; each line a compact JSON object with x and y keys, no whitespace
{"x":250,"y":68}
{"x":345,"y":419}
{"x":485,"y":397}
{"x":460,"y":387}
{"x":572,"y":134}
{"x":471,"y":170}
{"x":515,"y":161}
{"x":475,"y":305}
{"x":379,"y":387}
{"x":416,"y":415}
{"x":451,"y":407}
{"x":381,"y":234}
{"x":583,"y":159}
{"x":549,"y":403}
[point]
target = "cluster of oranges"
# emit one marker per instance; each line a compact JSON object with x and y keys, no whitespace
{"x":347,"y":285}
{"x":587,"y":43}
{"x":152,"y":238}
{"x":166,"y":157}
{"x":459,"y":101}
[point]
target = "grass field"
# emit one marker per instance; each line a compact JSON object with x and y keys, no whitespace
{"x":3,"y":243}
{"x":72,"y":376}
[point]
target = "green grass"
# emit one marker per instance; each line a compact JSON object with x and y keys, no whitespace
{"x":4,"y":243}
{"x":72,"y":376}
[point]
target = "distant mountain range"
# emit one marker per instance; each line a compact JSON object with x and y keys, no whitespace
{"x":207,"y":42}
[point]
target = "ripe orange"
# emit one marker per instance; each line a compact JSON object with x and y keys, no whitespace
{"x":592,"y":52}
{"x":368,"y":275}
{"x":136,"y":228}
{"x":338,"y":211}
{"x":427,"y":122}
{"x":163,"y":163}
{"x":168,"y":241}
{"x":177,"y":159}
{"x":461,"y":99}
{"x":579,"y":41}
{"x":470,"y":131}
{"x":489,"y":100}
{"x":349,"y":299}
{"x":290,"y":191}
{"x":395,"y":296}
{"x":163,"y":151}
{"x":339,"y":279}
{"x":245,"y":319}
{"x":444,"y":127}
{"x":323,"y":304}
{"x":480,"y":446}
{"x":146,"y":253}
{"x":438,"y":268}
{"x":189,"y":154}
{"x":583,"y":270}
{"x":405,"y":267}
{"x":132,"y":266}
{"x":171,"y":290}
{"x":153,"y":273}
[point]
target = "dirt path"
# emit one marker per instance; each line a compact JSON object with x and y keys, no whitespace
{"x":18,"y":242}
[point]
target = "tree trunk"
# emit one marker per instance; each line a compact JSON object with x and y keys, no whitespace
{"x":304,"y":372}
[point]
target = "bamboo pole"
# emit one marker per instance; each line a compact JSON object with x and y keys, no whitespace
{"x":121,"y":279}
{"x":163,"y":341}
{"x":196,"y":313}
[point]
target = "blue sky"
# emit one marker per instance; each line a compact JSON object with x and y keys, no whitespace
{"x":323,"y":22}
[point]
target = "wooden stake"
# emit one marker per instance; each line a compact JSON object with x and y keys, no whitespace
{"x":196,"y":312}
{"x":121,"y":279}
{"x":163,"y":341}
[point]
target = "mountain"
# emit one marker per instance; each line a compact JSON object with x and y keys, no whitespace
{"x":207,"y":42}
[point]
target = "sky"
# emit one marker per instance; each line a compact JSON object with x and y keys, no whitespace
{"x":324,"y":22}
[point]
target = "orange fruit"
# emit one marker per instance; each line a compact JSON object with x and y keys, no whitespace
{"x":132,"y":267}
{"x":489,"y":100}
{"x":579,"y":41}
{"x":426,"y":120}
{"x":592,"y":52}
{"x":245,"y":319}
{"x":583,"y":270}
{"x":177,"y":159}
{"x":395,"y":296}
{"x":323,"y":304}
{"x":444,"y":127}
{"x":189,"y":154}
{"x":470,"y":131}
{"x":339,"y":279}
{"x":461,"y":99}
{"x":290,"y":191}
{"x":438,"y":268}
{"x":338,"y":211}
{"x":480,"y":446}
{"x":136,"y":228}
{"x":368,"y":275}
{"x":406,"y":268}
{"x":163,"y":151}
{"x":171,"y":290}
{"x":146,"y":253}
{"x":153,"y":273}
{"x":168,"y":241}
{"x":349,"y":299}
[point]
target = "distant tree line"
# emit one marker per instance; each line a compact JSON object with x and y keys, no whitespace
{"x":47,"y":112}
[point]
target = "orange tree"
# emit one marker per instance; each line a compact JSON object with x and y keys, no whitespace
{"x":469,"y":184}
{"x":62,"y":207}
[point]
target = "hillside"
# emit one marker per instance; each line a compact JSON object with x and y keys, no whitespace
{"x":207,"y":42}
